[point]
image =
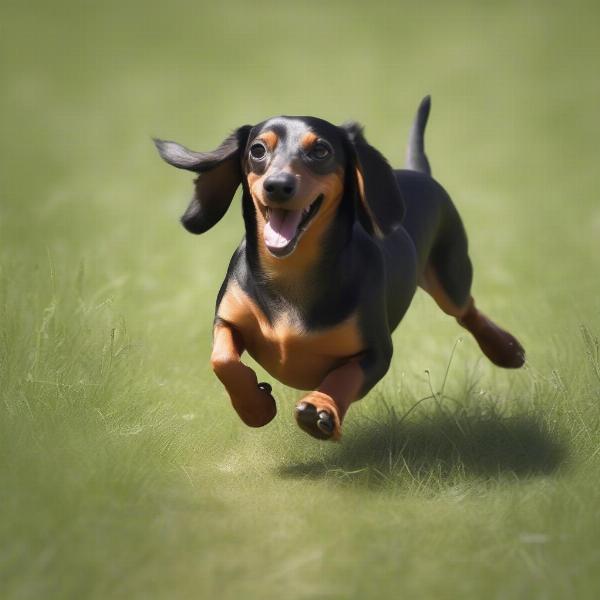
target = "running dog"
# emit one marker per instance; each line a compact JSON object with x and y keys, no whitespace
{"x":336,"y":244}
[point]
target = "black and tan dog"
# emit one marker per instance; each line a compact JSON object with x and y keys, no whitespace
{"x":336,"y":243}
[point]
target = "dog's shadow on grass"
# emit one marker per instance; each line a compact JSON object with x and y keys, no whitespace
{"x":442,"y":447}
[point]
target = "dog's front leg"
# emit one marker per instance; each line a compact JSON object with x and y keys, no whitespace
{"x":252,"y":400}
{"x":320,"y":413}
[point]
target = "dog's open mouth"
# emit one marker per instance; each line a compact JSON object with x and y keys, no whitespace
{"x":284,"y":228}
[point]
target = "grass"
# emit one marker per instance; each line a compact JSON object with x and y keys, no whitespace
{"x":123,"y":471}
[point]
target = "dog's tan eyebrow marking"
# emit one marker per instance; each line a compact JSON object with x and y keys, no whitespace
{"x":308,"y":140}
{"x":270,"y":138}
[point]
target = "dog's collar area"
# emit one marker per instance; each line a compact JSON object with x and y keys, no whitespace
{"x":284,"y":228}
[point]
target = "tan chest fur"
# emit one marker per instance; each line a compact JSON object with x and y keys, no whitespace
{"x":298,"y":358}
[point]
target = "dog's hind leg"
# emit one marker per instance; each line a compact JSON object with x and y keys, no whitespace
{"x":447,"y":278}
{"x":447,"y":273}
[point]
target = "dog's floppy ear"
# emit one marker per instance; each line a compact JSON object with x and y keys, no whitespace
{"x":220,"y":174}
{"x":380,"y":200}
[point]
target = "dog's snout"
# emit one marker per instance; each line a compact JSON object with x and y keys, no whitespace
{"x":280,"y":187}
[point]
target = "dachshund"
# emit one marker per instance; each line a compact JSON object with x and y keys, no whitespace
{"x":336,"y":244}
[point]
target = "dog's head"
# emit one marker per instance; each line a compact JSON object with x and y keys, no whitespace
{"x":298,"y":173}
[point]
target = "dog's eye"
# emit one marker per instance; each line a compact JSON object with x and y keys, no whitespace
{"x":258,"y":151}
{"x":320,"y":151}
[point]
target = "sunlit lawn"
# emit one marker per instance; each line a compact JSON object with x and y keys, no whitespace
{"x":124,"y":473}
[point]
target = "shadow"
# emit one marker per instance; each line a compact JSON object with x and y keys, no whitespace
{"x":438,"y":449}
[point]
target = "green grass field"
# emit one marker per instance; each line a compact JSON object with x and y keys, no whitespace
{"x":124,"y":472}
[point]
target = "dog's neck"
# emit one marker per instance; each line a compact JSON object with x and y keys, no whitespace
{"x":311,"y":271}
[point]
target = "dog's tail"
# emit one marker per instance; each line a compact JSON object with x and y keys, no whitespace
{"x":416,"y":159}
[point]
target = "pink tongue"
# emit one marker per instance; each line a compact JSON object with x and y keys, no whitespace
{"x":281,"y":227}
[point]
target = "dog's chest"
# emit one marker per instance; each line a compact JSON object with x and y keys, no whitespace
{"x":285,"y":348}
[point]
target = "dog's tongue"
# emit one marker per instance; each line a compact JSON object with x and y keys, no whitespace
{"x":281,"y":227}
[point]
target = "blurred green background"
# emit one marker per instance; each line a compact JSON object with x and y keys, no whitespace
{"x":124,"y":473}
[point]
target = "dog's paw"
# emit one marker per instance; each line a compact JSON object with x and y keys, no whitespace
{"x":256,"y":408}
{"x":502,"y":348}
{"x":265,"y":387}
{"x":318,"y":416}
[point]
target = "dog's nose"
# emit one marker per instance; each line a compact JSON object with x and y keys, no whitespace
{"x":280,"y":187}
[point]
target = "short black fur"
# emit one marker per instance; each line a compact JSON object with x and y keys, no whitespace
{"x":392,"y":230}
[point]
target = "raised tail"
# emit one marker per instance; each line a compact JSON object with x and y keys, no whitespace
{"x":416,"y":159}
